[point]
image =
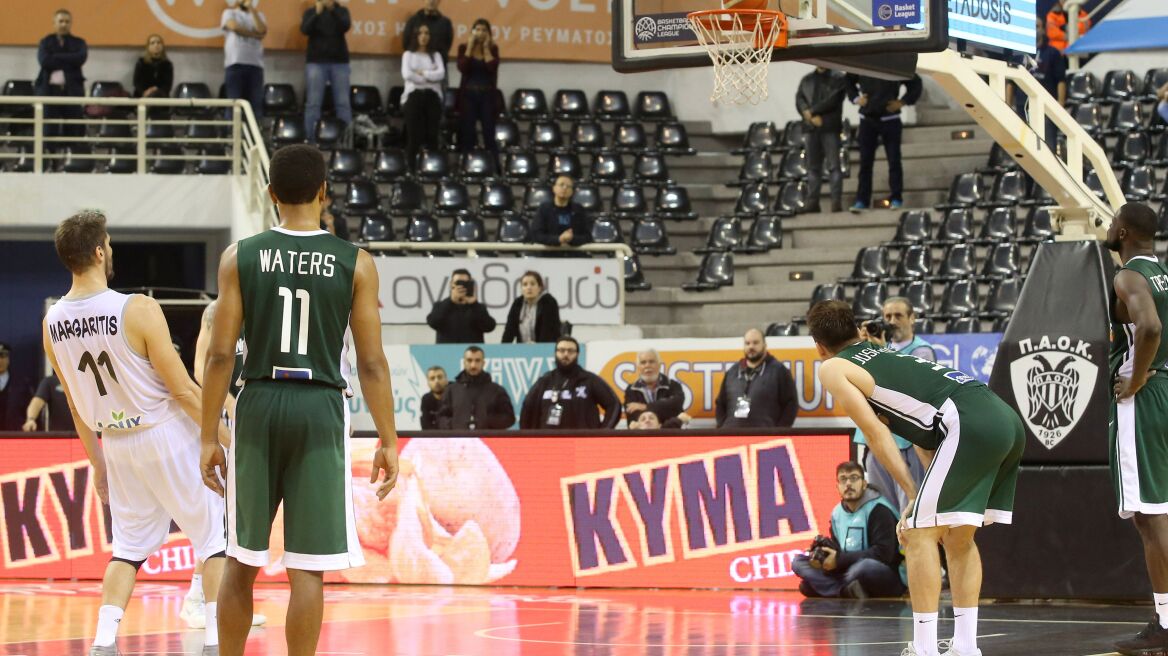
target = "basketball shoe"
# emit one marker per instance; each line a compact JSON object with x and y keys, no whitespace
{"x":1152,"y":641}
{"x":194,"y":612}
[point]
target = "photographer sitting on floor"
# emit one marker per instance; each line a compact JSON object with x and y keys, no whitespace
{"x":861,"y":557}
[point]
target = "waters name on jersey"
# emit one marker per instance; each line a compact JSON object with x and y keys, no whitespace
{"x":309,"y":263}
{"x":81,"y":327}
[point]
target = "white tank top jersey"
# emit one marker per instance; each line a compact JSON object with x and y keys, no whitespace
{"x":114,"y":388}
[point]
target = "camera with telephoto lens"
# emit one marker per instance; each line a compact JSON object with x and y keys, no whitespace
{"x":878,"y":328}
{"x":816,"y":551}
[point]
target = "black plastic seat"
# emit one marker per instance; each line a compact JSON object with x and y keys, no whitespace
{"x":671,"y":138}
{"x":468,"y":229}
{"x":390,"y":165}
{"x":964,"y":191}
{"x":763,"y":135}
{"x":1038,"y":226}
{"x":1089,"y":116}
{"x":422,"y":228}
{"x":450,"y":103}
{"x":959,"y":299}
{"x":345,"y":165}
{"x":913,"y":227}
{"x":651,"y":169}
{"x":634,"y":275}
{"x":536,"y":194}
{"x":608,"y":168}
{"x":565,"y":163}
{"x":1082,"y":86}
{"x":210,"y":162}
{"x":611,"y":106}
{"x":962,"y":325}
{"x":521,"y":167}
{"x":513,"y":229}
{"x":827,"y":291}
{"x":628,"y":201}
{"x":361,"y":196}
{"x":1000,"y":225}
{"x":288,"y":130}
{"x":451,"y":198}
{"x":432,"y":166}
{"x":23,"y":88}
{"x":122,"y":160}
{"x":778,"y":329}
{"x":869,"y":301}
{"x":365,"y":99}
{"x":650,"y":237}
{"x":958,"y":262}
{"x":673,"y":203}
{"x":753,"y":199}
{"x":280,"y":100}
{"x":1126,"y":116}
{"x":587,"y":136}
{"x":1038,"y":196}
{"x":629,"y":137}
{"x":544,"y":136}
{"x":652,"y":106}
{"x":794,"y":134}
{"x":1154,"y":78}
{"x":1121,"y":85}
{"x":920,"y":296}
{"x":757,"y":166}
{"x":792,"y":198}
{"x":528,"y":104}
{"x":916,"y":262}
{"x":956,"y":227}
{"x":1139,"y":182}
{"x":606,"y":230}
{"x":477,"y":166}
{"x":998,"y":161}
{"x":75,"y":162}
{"x":164,"y":163}
{"x":715,"y":271}
{"x":725,"y":235}
{"x":406,"y":197}
{"x":495,"y":198}
{"x":924,"y":326}
{"x":1162,"y":222}
{"x":1001,"y":262}
{"x":871,"y":264}
{"x":375,"y":227}
{"x":158,"y":131}
{"x":569,"y":104}
{"x":766,"y":232}
{"x":330,"y":130}
{"x":1009,"y":189}
{"x":393,"y":103}
{"x":587,"y":196}
{"x":794,"y":164}
{"x":1132,"y":148}
{"x":506,"y":135}
{"x":1002,"y":298}
{"x":1092,"y":181}
{"x":192,"y":91}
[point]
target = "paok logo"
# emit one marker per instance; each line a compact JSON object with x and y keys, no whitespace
{"x":645,"y":28}
{"x":1053,"y":379}
{"x":197,"y":19}
{"x":884,"y":12}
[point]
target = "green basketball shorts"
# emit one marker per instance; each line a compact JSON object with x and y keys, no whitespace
{"x":1139,"y":450}
{"x":291,"y":445}
{"x":975,"y":468}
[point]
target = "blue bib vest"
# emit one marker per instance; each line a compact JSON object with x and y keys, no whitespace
{"x":851,"y":529}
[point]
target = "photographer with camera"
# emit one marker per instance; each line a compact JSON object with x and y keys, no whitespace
{"x":895,"y":332}
{"x":460,"y":319}
{"x":867,"y":563}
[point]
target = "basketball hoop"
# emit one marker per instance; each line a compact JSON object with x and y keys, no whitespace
{"x":739,"y":42}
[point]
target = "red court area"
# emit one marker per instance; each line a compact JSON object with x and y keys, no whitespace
{"x":54,"y":619}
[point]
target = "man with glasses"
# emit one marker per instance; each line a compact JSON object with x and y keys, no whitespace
{"x":568,"y":397}
{"x":862,"y":558}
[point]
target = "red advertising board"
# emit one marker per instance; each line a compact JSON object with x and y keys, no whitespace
{"x":616,"y":511}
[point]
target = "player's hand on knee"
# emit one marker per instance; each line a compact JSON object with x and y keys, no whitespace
{"x":213,"y":466}
{"x":902,"y":525}
{"x":384,"y":459}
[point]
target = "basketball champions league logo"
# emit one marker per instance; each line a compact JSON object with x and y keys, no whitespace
{"x":1053,"y":380}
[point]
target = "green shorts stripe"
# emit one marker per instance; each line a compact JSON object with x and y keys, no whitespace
{"x":1138,"y":440}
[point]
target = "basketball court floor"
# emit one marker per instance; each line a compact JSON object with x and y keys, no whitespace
{"x":52,"y":619}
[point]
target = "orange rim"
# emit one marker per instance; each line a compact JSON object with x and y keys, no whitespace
{"x":748,"y":18}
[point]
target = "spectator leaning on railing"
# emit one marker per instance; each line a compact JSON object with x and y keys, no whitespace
{"x":61,"y":56}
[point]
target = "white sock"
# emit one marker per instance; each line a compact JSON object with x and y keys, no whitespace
{"x":925,"y":633}
{"x":212,"y":628}
{"x":1161,"y":599}
{"x":109,"y":618}
{"x":965,"y":630}
{"x":196,"y":591}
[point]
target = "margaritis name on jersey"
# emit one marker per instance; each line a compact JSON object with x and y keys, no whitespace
{"x":83,"y":327}
{"x":310,"y":263}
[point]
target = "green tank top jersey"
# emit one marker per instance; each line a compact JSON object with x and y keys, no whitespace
{"x":1123,"y":335}
{"x":909,"y":391}
{"x":297,"y":290}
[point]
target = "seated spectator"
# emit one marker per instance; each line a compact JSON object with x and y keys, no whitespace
{"x":335,"y":225}
{"x":424,"y":72}
{"x":50,"y":395}
{"x":567,"y":396}
{"x":460,"y":319}
{"x":862,"y":559}
{"x":432,"y":400}
{"x":648,"y":420}
{"x":535,"y":315}
{"x":561,"y":222}
{"x":473,"y":401}
{"x":153,"y":72}
{"x":478,"y":61}
{"x":1056,"y":25}
{"x":653,"y":391}
{"x":758,"y":390}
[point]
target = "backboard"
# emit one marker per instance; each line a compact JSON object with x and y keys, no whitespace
{"x":878,"y":36}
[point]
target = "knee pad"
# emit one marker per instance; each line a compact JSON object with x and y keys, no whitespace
{"x":136,"y":564}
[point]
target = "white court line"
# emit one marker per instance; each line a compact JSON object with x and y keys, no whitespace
{"x":979,"y":620}
{"x":485,"y":633}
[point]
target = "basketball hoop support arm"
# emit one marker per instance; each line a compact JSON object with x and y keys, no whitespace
{"x":979,"y":85}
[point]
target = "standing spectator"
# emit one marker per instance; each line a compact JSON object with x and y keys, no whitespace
{"x":441,"y":30}
{"x":820,"y":101}
{"x":460,"y":319}
{"x":560,"y":222}
{"x":153,"y":72}
{"x":243,"y":54}
{"x":880,"y":104}
{"x":325,"y":23}
{"x":535,"y":315}
{"x":653,"y":392}
{"x":61,"y":56}
{"x":432,"y":400}
{"x":424,"y":72}
{"x":758,"y":390}
{"x":1056,"y":25}
{"x":567,"y":396}
{"x":49,"y":395}
{"x":478,"y":61}
{"x":473,"y":401}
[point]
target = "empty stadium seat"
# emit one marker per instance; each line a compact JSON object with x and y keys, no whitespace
{"x":794,"y":134}
{"x":628,"y":201}
{"x":565,"y":163}
{"x":364,"y":99}
{"x":193,"y":91}
{"x":763,"y":135}
{"x":725,"y":235}
{"x":1082,"y":86}
{"x":208,"y":164}
{"x":608,"y":168}
{"x":1002,"y":298}
{"x":280,"y":100}
{"x":156,"y":131}
{"x":1000,"y":224}
{"x":998,"y":161}
{"x":393,"y":104}
{"x":288,"y":130}
{"x":587,"y":136}
{"x":521,"y":167}
{"x":629,"y":137}
{"x":962,"y":325}
{"x":1038,"y":226}
{"x":1092,"y":182}
{"x":432,"y":166}
{"x":652,"y":106}
{"x":345,"y":165}
{"x":869,"y":301}
{"x":422,"y":228}
{"x":329,"y":132}
{"x":1132,"y":148}
{"x":451,"y":198}
{"x":634,"y":275}
{"x":650,"y":169}
{"x":506,"y":135}
{"x":375,"y":227}
{"x":1009,"y":189}
{"x":782,"y":330}
{"x":606,"y":230}
{"x":587,"y":196}
{"x":544,"y":136}
{"x":924,"y":326}
{"x":528,"y":104}
{"x":406,"y":197}
{"x":753,"y":199}
{"x":757,"y":166}
{"x":871,"y":264}
{"x":649,"y":237}
{"x":1001,"y":262}
{"x":1139,"y":182}
{"x":164,"y":162}
{"x":1162,"y":222}
{"x":671,"y":138}
{"x":913,"y":227}
{"x":1038,"y":196}
{"x":1089,"y":116}
{"x":122,"y":160}
{"x":1126,"y":116}
{"x":513,"y":229}
{"x":18,"y":88}
{"x":959,"y":299}
{"x":920,"y":296}
{"x":673,"y":203}
{"x":477,"y":166}
{"x":915,"y":263}
{"x":964,"y":191}
{"x":361,"y":196}
{"x":536,"y":194}
{"x":468,"y":229}
{"x":792,"y":198}
{"x":827,"y":291}
{"x":611,"y":106}
{"x":958,"y":262}
{"x":495,"y":198}
{"x":766,"y":232}
{"x":569,"y":104}
{"x":1121,"y":85}
{"x":390,"y":165}
{"x":715,"y":271}
{"x":1154,"y":78}
{"x":75,"y":162}
{"x":794,"y":165}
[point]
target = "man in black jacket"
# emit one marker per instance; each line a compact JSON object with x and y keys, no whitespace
{"x":867,"y":560}
{"x":820,"y":101}
{"x":880,"y":104}
{"x":561,"y":222}
{"x":567,"y":397}
{"x":441,"y":29}
{"x":460,"y":319}
{"x":653,"y":391}
{"x":432,"y":400}
{"x":758,"y":390}
{"x":327,"y":61}
{"x":61,"y":56}
{"x":473,"y":401}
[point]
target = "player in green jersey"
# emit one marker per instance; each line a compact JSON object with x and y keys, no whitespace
{"x":970,"y":441}
{"x":1139,"y":414}
{"x":293,"y":291}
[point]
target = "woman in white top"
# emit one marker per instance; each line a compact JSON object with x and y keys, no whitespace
{"x":423,"y":72}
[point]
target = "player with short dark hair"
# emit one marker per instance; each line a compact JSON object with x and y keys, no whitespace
{"x":295,"y":291}
{"x":1139,"y":413}
{"x":976,"y":440}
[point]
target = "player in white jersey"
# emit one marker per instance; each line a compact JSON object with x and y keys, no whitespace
{"x":123,"y":378}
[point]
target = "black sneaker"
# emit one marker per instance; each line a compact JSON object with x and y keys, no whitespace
{"x":1152,"y":641}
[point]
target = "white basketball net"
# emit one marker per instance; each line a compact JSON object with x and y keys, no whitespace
{"x":740,"y":51}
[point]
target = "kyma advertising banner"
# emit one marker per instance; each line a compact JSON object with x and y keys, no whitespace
{"x":693,"y":511}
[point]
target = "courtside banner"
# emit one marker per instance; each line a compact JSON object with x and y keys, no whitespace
{"x":669,"y":510}
{"x":550,"y":30}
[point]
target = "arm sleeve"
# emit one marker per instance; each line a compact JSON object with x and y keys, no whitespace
{"x":670,"y":406}
{"x":529,"y":412}
{"x":852,"y":86}
{"x":463,"y":60}
{"x":539,"y":232}
{"x":438,"y":73}
{"x":881,"y":541}
{"x":912,"y":90}
{"x":493,"y":65}
{"x":428,"y":413}
{"x":832,"y":102}
{"x":44,"y":390}
{"x":607,"y":398}
{"x":407,"y":70}
{"x":71,"y":57}
{"x":437,"y":317}
{"x":550,"y":308}
{"x":140,"y":80}
{"x":344,"y":19}
{"x":44,"y":57}
{"x":484,"y":320}
{"x":511,"y":330}
{"x":720,"y":405}
{"x":166,"y":82}
{"x":502,"y":413}
{"x":788,"y":404}
{"x":802,"y":102}
{"x":581,"y":231}
{"x":308,"y":21}
{"x":445,"y":409}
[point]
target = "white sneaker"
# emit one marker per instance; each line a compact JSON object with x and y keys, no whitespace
{"x":950,"y":650}
{"x":194,"y":613}
{"x":909,"y":651}
{"x":259,"y":619}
